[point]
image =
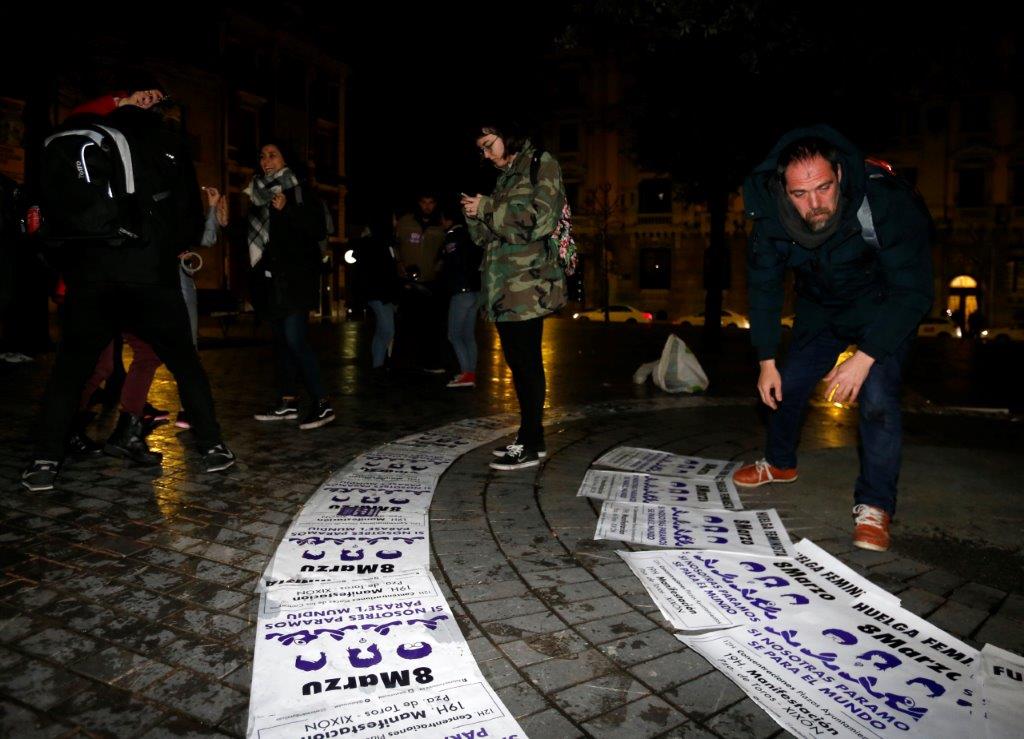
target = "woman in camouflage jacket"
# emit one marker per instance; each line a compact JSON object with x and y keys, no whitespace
{"x":522,"y":281}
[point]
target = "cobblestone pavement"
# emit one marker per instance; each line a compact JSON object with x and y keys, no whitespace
{"x":127,"y":604}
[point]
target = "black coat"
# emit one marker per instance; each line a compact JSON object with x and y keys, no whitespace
{"x":292,"y":256}
{"x":871,"y":296}
{"x":460,"y":261}
{"x":376,"y":270}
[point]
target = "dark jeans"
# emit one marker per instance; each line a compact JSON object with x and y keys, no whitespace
{"x":294,"y":357}
{"x":520,"y":343}
{"x":880,"y":429}
{"x":93,"y":315}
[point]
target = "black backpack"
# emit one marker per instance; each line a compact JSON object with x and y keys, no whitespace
{"x":88,"y":185}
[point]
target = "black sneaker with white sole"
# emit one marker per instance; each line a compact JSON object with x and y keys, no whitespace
{"x":516,"y":458}
{"x":501,"y":451}
{"x":319,"y":415}
{"x":218,"y":458}
{"x":287,"y":410}
{"x":40,"y":475}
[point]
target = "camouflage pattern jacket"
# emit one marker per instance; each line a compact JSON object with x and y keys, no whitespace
{"x":521,"y":276}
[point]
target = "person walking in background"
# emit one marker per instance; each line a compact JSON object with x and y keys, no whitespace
{"x":522,"y":281}
{"x":460,"y":275}
{"x":377,"y":270}
{"x":420,"y":236}
{"x":286,"y":226}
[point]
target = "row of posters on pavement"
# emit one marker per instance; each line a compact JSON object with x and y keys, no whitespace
{"x":824,"y":651}
{"x":354,"y":636}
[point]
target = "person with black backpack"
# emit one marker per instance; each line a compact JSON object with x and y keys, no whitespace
{"x":120,"y":197}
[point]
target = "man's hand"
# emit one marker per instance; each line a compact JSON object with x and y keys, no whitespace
{"x":279,"y":201}
{"x":843,"y":383}
{"x":769,"y":384}
{"x":212,"y":196}
{"x":470,"y":205}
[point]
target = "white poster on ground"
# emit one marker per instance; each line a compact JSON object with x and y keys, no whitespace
{"x":655,"y":462}
{"x":340,"y":544}
{"x":392,"y":492}
{"x":395,"y":459}
{"x":999,"y":695}
{"x":752,"y":532}
{"x":707,"y":590}
{"x":636,"y":487}
{"x":381,"y":653}
{"x":866,"y":670}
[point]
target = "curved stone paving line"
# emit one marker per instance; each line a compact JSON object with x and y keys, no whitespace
{"x":286,"y":565}
{"x":567,"y":634}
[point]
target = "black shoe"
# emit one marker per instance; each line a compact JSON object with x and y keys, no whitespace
{"x":128,"y":442}
{"x":319,"y":415}
{"x":40,"y":475}
{"x":150,"y":414}
{"x":287,"y":410}
{"x":501,"y":451}
{"x":516,"y":458}
{"x":218,"y":458}
{"x":80,"y":445}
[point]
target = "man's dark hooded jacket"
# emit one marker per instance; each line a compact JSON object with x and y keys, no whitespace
{"x":870,"y":296}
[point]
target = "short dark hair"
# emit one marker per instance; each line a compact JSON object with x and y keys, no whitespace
{"x":803,"y":150}
{"x":510,"y":132}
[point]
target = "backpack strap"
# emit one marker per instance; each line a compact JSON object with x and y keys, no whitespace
{"x":126,"y":156}
{"x":867,"y":223}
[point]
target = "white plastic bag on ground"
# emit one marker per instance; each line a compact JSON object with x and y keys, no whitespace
{"x":678,"y":370}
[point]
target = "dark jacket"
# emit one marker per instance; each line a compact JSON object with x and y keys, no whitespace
{"x":460,"y":261}
{"x":377,"y":270}
{"x":168,"y":197}
{"x":873,"y":297}
{"x":292,"y":255}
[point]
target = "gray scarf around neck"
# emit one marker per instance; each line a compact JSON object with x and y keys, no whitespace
{"x":261,"y":192}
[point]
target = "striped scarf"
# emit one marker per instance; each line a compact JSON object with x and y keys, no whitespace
{"x":261,"y":192}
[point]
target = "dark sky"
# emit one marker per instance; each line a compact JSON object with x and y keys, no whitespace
{"x":422,"y":75}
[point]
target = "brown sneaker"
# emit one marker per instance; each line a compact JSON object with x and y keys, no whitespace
{"x":761,"y":473}
{"x":870,"y":528}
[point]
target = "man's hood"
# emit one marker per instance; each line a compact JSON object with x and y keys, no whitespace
{"x":758,"y":200}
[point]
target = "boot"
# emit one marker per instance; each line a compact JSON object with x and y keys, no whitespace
{"x":127,"y":442}
{"x":79,"y":442}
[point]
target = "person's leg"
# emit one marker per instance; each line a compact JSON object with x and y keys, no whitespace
{"x":104,"y":368}
{"x":383,"y":331}
{"x":285,"y":369}
{"x":521,"y":345}
{"x":140,"y":375}
{"x":88,"y":327}
{"x":455,"y":331}
{"x":297,"y":338}
{"x":881,"y":432}
{"x":188,"y":291}
{"x":802,"y":371}
{"x":461,"y":327}
{"x":158,"y":315}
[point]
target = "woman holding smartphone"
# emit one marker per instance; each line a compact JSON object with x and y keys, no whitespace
{"x":522,"y":281}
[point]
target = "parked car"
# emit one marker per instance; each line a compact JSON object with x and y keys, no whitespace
{"x":942,"y":327}
{"x":1002,"y":334}
{"x":729,"y":318}
{"x":616,"y":313}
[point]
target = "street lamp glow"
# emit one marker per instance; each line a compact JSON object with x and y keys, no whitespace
{"x":350,"y":256}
